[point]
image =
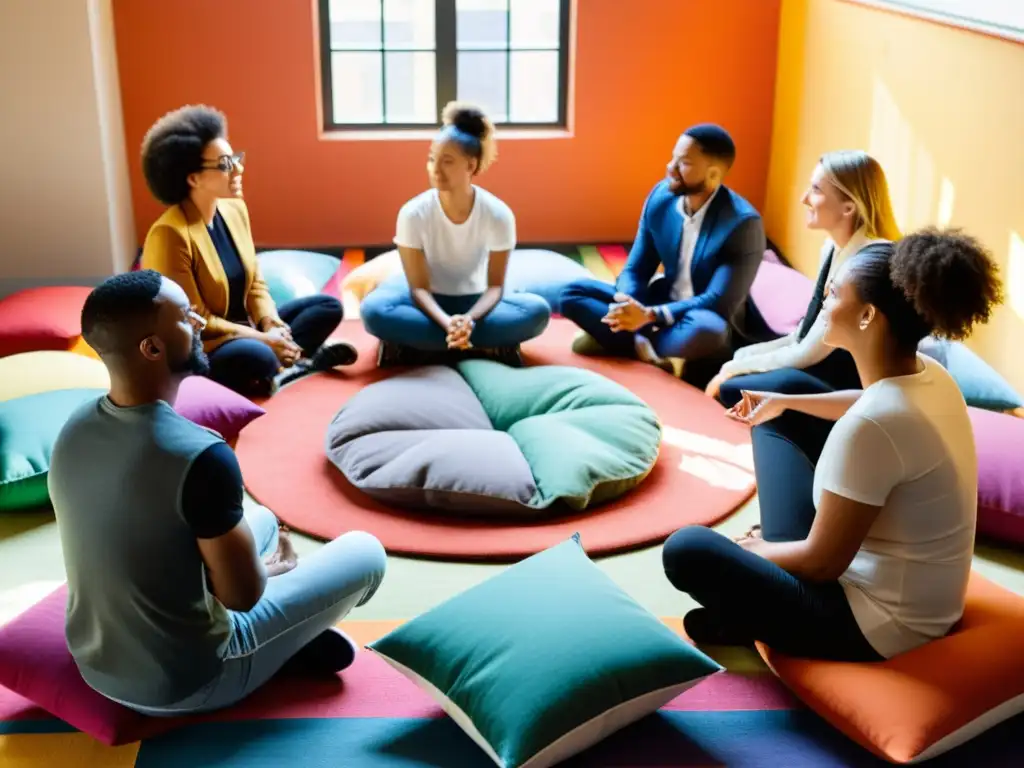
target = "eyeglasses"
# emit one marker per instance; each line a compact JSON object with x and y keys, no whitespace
{"x":197,"y":320}
{"x":226,"y":163}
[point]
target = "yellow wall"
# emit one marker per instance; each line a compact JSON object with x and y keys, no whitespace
{"x":943,"y":111}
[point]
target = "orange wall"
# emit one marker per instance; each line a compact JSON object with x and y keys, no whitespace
{"x":644,"y":70}
{"x":943,"y":111}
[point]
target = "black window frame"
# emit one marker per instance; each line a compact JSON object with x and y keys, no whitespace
{"x":446,"y":68}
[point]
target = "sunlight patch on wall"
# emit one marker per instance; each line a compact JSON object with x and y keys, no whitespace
{"x":1015,"y":275}
{"x":947,"y":196}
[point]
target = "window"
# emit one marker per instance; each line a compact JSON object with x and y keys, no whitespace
{"x":395,"y":63}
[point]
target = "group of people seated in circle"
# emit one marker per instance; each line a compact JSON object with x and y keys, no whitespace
{"x":181,"y":600}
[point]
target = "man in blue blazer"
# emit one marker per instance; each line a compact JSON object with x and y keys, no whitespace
{"x":710,"y":242}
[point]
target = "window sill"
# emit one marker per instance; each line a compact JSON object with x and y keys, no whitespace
{"x":427,"y":134}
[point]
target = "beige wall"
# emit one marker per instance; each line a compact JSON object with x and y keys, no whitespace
{"x":65,"y":204}
{"x":941,"y":108}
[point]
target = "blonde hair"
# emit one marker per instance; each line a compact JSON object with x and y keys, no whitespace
{"x":860,"y":178}
{"x":473,"y":130}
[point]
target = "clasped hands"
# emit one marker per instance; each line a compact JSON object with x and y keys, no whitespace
{"x":627,"y":314}
{"x":278,"y":335}
{"x":458,"y":332}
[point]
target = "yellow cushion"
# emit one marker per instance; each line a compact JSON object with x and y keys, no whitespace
{"x":30,"y":373}
{"x":364,"y":278}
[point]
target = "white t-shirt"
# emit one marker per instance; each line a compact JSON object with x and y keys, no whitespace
{"x":907,"y":446}
{"x":457,"y":254}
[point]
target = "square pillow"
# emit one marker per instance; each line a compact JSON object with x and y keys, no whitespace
{"x":922,"y":703}
{"x":545,"y":659}
{"x":46,"y":317}
{"x":781,"y":295}
{"x":213,"y":405}
{"x":998,"y":438}
{"x":35,"y":663}
{"x":296,"y":274}
{"x":29,"y":426}
{"x":981,"y":385}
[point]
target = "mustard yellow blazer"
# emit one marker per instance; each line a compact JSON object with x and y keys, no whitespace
{"x":179,"y":247}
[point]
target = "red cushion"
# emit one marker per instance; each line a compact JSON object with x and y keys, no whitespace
{"x":35,"y":663}
{"x":41,"y":319}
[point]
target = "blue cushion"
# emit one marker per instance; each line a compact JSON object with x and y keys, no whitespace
{"x":981,"y":385}
{"x":545,"y":659}
{"x":296,"y":274}
{"x":544,"y":273}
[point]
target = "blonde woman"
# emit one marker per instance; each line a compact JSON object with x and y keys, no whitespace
{"x":848,"y":198}
{"x":454,"y":241}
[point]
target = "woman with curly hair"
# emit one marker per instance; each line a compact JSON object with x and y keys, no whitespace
{"x":203,"y":242}
{"x":454,"y":241}
{"x":867,"y":525}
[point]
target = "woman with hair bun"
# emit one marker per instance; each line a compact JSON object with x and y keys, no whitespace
{"x":867,"y":525}
{"x":454,"y":241}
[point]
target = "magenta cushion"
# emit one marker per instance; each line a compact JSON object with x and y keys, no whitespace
{"x":998,"y":438}
{"x":47,"y":317}
{"x":35,"y":663}
{"x":781,"y":295}
{"x":213,"y":405}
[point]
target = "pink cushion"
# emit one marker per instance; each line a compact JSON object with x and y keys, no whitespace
{"x":213,"y":405}
{"x":35,"y":663}
{"x":998,"y":438}
{"x":42,"y":318}
{"x":781,"y":295}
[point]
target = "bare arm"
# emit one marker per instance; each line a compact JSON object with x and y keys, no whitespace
{"x":838,"y":531}
{"x":237,"y":574}
{"x":496,"y":268}
{"x":417,"y":273}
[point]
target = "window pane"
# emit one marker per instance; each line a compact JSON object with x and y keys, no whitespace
{"x":482,"y":80}
{"x":410,"y":87}
{"x":409,"y":24}
{"x":355,"y":24}
{"x":356,"y":81}
{"x":534,"y":85}
{"x":481,"y":24}
{"x":535,"y":23}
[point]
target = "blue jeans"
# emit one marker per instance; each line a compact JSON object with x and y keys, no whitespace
{"x":700,"y":333}
{"x":391,"y":314}
{"x":296,"y":607}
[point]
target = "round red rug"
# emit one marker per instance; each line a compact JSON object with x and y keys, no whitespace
{"x":704,"y":471}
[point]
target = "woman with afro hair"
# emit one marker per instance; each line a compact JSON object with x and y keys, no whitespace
{"x":867,"y":529}
{"x":203,"y":242}
{"x":454,"y":241}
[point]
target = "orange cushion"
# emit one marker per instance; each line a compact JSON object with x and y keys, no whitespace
{"x":43,"y":318}
{"x":924,"y":702}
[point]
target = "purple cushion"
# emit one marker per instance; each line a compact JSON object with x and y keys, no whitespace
{"x":35,"y":663}
{"x":998,"y":438}
{"x":213,"y":405}
{"x":781,"y":295}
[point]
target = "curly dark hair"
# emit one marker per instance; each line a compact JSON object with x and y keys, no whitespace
{"x":115,"y":309}
{"x":933,"y":282}
{"x":470,"y":127}
{"x":173,"y":148}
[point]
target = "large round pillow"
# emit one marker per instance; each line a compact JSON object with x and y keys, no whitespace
{"x":30,"y":373}
{"x":296,"y":274}
{"x":43,"y":318}
{"x":485,"y":439}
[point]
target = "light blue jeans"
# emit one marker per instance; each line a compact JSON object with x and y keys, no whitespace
{"x":296,"y":607}
{"x":392,"y":315}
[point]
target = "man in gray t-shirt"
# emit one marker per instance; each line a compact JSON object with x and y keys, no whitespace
{"x":177,"y":600}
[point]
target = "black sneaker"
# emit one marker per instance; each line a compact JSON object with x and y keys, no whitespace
{"x":326,"y":654}
{"x":509,"y":356}
{"x":391,"y":355}
{"x":332,"y":355}
{"x":704,"y":629}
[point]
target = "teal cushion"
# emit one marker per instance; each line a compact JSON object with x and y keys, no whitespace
{"x":296,"y":274}
{"x":29,"y":426}
{"x":982,"y":386}
{"x":545,"y":659}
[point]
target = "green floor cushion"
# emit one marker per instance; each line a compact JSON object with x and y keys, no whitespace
{"x":982,"y":386}
{"x":29,"y":426}
{"x":484,"y":438}
{"x":296,"y":274}
{"x":545,"y":659}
